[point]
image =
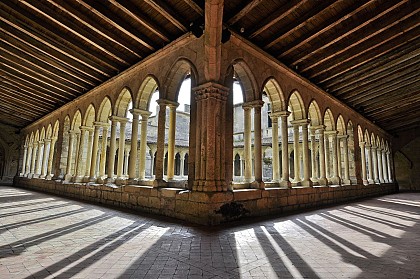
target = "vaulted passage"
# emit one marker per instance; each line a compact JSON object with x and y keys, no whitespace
{"x":208,"y":111}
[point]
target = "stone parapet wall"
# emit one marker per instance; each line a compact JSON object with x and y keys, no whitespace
{"x":207,"y":208}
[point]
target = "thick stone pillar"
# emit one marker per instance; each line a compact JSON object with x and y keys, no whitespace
{"x":211,"y":109}
{"x":121,"y":148}
{"x":247,"y":142}
{"x":133,"y":150}
{"x":322,"y":158}
{"x":296,"y":152}
{"x":112,"y":149}
{"x":160,"y":152}
{"x":143,"y":145}
{"x":380,"y":167}
{"x":171,"y":141}
{"x":47,"y":146}
{"x":79,"y":160}
{"x":363,"y":161}
{"x":275,"y":146}
{"x":25,"y":152}
{"x":258,"y":145}
{"x":285,"y":178}
{"x":370,"y":168}
{"x":346,"y":179}
{"x":375,"y":164}
{"x":335,"y":179}
{"x":69,"y":174}
{"x":50,"y":174}
{"x":94,"y":161}
{"x":384,"y":166}
{"x":39,"y":161}
{"x":314,"y":177}
{"x":104,"y":144}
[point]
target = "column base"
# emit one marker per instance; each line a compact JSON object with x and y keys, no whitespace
{"x":68,"y":177}
{"x":306,"y":183}
{"x":109,"y":180}
{"x":132,"y":181}
{"x":377,"y":181}
{"x":36,"y":175}
{"x":296,"y":183}
{"x":42,"y":176}
{"x":78,"y":178}
{"x":334,"y":180}
{"x":323,"y":181}
{"x":346,"y":182}
{"x":49,"y":177}
{"x":159,"y":183}
{"x":285,"y":183}
{"x":120,"y":181}
{"x":258,"y":185}
{"x":371,"y":181}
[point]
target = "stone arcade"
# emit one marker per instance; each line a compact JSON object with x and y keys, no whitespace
{"x":293,"y":146}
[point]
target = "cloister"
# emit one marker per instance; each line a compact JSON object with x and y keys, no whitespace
{"x":316,"y":141}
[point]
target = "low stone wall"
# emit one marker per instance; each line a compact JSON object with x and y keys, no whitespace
{"x":207,"y":208}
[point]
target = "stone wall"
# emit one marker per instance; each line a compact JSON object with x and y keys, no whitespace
{"x":207,"y":208}
{"x":9,"y":153}
{"x":407,"y":166}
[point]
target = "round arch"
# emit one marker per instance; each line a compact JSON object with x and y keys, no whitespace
{"x":314,"y":114}
{"x":105,"y":110}
{"x":89,"y":116}
{"x":176,"y":75}
{"x":275,"y":94}
{"x":296,"y":106}
{"x":123,"y":102}
{"x":329,"y":120}
{"x":149,"y":86}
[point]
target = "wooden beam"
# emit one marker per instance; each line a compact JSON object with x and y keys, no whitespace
{"x":300,"y":22}
{"x":195,"y":7}
{"x":248,"y":7}
{"x":281,"y":13}
{"x":390,"y":106}
{"x":165,"y":10}
{"x":327,"y":25}
{"x":89,"y":21}
{"x":387,"y":76}
{"x":349,"y":28}
{"x":139,"y":17}
{"x":15,"y":112}
{"x":26,"y":92}
{"x":377,"y":65}
{"x":388,"y":29}
{"x":14,"y":96}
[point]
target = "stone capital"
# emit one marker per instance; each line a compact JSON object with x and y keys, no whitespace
{"x":101,"y":124}
{"x":253,"y":104}
{"x":211,"y":90}
{"x":86,"y":128}
{"x":331,"y":133}
{"x":343,"y":136}
{"x":300,"y":122}
{"x":141,"y":112}
{"x":164,"y":102}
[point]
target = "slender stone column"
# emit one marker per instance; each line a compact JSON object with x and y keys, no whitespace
{"x":181,"y":168}
{"x":370,"y":168}
{"x":133,"y":150}
{"x":305,"y":155}
{"x":126,"y":156}
{"x":333,"y":138}
{"x":285,"y":178}
{"x":51,"y":158}
{"x":346,"y":179}
{"x":104,"y":144}
{"x":339,"y":165}
{"x":120,"y":162}
{"x":47,"y":145}
{"x":79,"y":165}
{"x":327,"y":156}
{"x":363,"y":161}
{"x":39,"y":160}
{"x":160,"y":152}
{"x":388,"y":157}
{"x":171,"y":141}
{"x":247,"y":143}
{"x":375,"y":164}
{"x":112,"y":149}
{"x":314,"y":177}
{"x":275,"y":146}
{"x":296,"y":152}
{"x":143,"y":145}
{"x":29,"y":159}
{"x":258,"y":145}
{"x":69,"y":174}
{"x":379,"y":159}
{"x":25,"y":152}
{"x":94,"y":161}
{"x":384,"y":166}
{"x":88,"y":153}
{"x":322,"y":158}
{"x":152,"y":162}
{"x":33,"y":161}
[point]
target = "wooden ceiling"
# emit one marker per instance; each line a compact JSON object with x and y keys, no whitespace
{"x":363,"y":52}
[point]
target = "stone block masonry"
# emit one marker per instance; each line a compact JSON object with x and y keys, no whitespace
{"x":208,"y":208}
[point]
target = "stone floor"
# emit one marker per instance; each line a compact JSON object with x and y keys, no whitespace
{"x":44,"y":236}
